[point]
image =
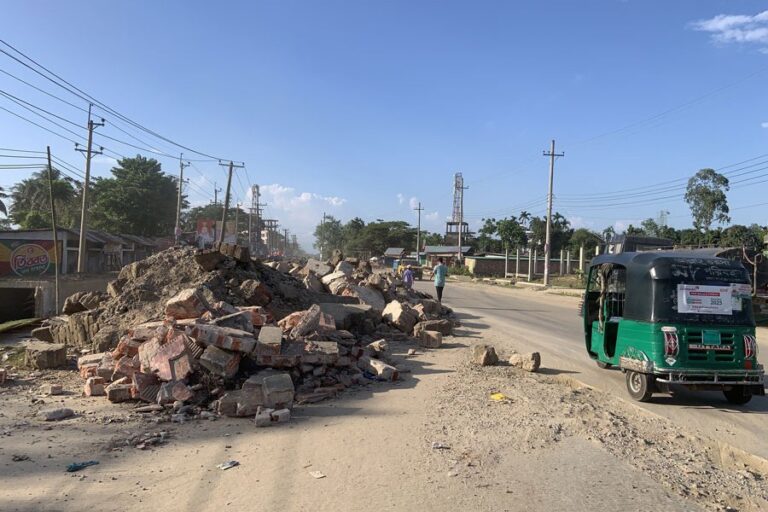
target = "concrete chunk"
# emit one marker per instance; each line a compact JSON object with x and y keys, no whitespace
{"x":484,"y":355}
{"x":42,"y":356}
{"x":317,"y":267}
{"x":378,"y":368}
{"x":278,"y":391}
{"x":308,"y":323}
{"x":529,"y":362}
{"x":399,"y":315}
{"x":431,"y":339}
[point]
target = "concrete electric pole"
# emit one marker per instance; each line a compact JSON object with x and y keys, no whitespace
{"x":548,"y":241}
{"x":82,"y":255}
{"x":177,"y":229}
{"x":226,"y":201}
{"x":418,"y":235}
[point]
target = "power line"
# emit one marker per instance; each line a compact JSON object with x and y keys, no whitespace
{"x":74,"y":90}
{"x":39,"y":125}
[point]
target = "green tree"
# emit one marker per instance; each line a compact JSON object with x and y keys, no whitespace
{"x":511,"y":233}
{"x":351,"y":232}
{"x":560,"y":232}
{"x":433,"y":239}
{"x":742,"y":236}
{"x":583,"y":237}
{"x":31,"y":207}
{"x":608,"y":233}
{"x":138,"y":200}
{"x":706,"y":197}
{"x":328,"y":235}
{"x":485,"y":240}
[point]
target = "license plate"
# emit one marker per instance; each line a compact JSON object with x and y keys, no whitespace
{"x":711,"y":338}
{"x":717,"y":348}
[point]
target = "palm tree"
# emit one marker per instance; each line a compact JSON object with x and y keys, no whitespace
{"x":31,"y":199}
{"x":525,"y":219}
{"x":3,"y":195}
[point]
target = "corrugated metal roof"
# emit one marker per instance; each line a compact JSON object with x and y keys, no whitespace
{"x":446,"y":249}
{"x":394,"y":251}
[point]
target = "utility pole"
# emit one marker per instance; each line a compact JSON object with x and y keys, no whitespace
{"x":177,"y":230}
{"x":82,"y":255}
{"x":322,"y":234}
{"x":226,"y":201}
{"x":237,"y":223}
{"x":55,"y":235}
{"x":461,"y":188}
{"x":254,"y":209}
{"x":548,"y":242}
{"x":418,"y":235}
{"x":285,"y":243}
{"x":215,"y":193}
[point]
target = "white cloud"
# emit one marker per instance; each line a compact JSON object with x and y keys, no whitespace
{"x":736,"y":28}
{"x":400,"y":198}
{"x":413,"y":203}
{"x":300,"y":212}
{"x":621,"y":226}
{"x":432,"y":216}
{"x":104,"y":160}
{"x":581,"y":222}
{"x":764,"y":125}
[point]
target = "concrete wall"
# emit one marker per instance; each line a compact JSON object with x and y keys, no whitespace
{"x":494,"y":267}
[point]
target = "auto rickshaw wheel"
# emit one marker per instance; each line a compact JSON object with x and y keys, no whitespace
{"x":603,"y":365}
{"x":640,"y":385}
{"x":737,"y":395}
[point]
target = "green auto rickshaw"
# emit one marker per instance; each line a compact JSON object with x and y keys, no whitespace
{"x":673,"y":317}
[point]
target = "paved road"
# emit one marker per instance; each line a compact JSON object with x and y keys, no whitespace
{"x":527,"y":320}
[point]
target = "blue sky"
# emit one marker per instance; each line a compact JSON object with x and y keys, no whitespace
{"x":360,"y":108}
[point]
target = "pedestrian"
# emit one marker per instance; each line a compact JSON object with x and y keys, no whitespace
{"x":440,"y":271}
{"x":408,"y":278}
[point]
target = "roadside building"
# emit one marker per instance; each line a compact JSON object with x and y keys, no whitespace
{"x":392,"y":254}
{"x":447,"y":252}
{"x":28,"y":267}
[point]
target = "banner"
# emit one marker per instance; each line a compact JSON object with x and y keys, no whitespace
{"x":27,"y":258}
{"x":705,"y":300}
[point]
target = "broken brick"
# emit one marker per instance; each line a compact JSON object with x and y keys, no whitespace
{"x":223,"y":337}
{"x":145,"y":387}
{"x":220,"y":362}
{"x":188,"y":303}
{"x":94,"y":386}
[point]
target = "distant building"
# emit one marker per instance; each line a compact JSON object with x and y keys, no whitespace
{"x":447,"y":252}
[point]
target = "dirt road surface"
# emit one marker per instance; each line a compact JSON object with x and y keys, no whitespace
{"x":434,"y":441}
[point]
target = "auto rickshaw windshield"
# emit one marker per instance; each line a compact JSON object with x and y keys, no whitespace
{"x":690,"y":291}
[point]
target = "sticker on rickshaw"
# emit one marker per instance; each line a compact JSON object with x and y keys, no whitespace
{"x":704,"y":299}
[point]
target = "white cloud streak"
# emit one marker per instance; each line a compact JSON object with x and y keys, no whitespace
{"x":736,"y":28}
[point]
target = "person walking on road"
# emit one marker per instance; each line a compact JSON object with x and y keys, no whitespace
{"x":440,"y":271}
{"x":408,"y":278}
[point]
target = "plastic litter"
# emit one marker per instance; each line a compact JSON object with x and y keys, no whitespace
{"x":77,"y":466}
{"x":229,"y":464}
{"x":500,"y":397}
{"x":317,"y":474}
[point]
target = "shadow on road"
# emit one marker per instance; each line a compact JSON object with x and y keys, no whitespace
{"x":710,"y":400}
{"x":555,"y":371}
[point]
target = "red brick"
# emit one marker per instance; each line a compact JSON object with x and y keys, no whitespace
{"x":145,"y":387}
{"x":161,"y":361}
{"x":223,"y":337}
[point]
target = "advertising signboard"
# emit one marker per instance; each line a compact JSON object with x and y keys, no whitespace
{"x":27,"y":258}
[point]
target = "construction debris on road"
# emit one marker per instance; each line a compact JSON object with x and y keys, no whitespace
{"x":199,"y":334}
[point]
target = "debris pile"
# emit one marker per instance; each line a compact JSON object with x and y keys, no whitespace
{"x":203,"y":334}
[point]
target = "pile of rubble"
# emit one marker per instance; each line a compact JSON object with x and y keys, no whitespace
{"x":202,"y":334}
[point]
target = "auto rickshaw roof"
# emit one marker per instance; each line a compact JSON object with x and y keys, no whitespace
{"x":639,"y":263}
